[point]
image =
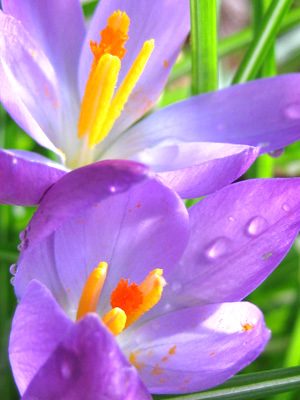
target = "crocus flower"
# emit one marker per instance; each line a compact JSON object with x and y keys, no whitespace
{"x":60,"y":89}
{"x":116,"y":277}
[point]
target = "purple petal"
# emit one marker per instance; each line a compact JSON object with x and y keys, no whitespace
{"x":197,"y":348}
{"x":135,"y":231}
{"x":238,"y":237}
{"x":25,"y":176}
{"x":197,"y":169}
{"x":165,"y":21}
{"x":87,"y":364}
{"x":38,"y":326}
{"x":264,"y":113}
{"x":57,"y":27}
{"x":30,"y":91}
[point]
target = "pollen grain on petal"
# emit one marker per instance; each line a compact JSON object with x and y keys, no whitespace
{"x":133,"y":360}
{"x":157,"y":370}
{"x":172,"y":350}
{"x":248,"y":327}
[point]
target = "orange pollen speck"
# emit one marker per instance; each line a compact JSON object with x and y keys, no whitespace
{"x":172,"y":350}
{"x":248,"y":327}
{"x":128,"y":298}
{"x":113,"y":37}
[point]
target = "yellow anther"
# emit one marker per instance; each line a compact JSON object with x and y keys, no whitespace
{"x":98,"y":94}
{"x":126,"y":87}
{"x":115,"y":320}
{"x":151,"y":289}
{"x":91,"y":291}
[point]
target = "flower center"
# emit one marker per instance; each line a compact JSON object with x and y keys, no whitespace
{"x":100,"y":107}
{"x":129,"y":302}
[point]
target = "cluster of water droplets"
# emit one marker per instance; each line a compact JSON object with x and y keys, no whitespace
{"x":223,"y":245}
{"x":23,"y":245}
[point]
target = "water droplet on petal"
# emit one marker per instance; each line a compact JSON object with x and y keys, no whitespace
{"x":176,"y":287}
{"x":13,"y":269}
{"x":23,"y":235}
{"x":231,"y":219}
{"x":66,"y":370}
{"x":286,"y":207}
{"x":167,"y":307}
{"x":292,"y":111}
{"x":19,"y":247}
{"x":276,"y":153}
{"x":12,"y":280}
{"x":219,"y":247}
{"x":112,"y":189}
{"x":257,"y":225}
{"x":25,"y":244}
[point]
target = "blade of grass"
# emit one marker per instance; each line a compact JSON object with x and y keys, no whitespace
{"x":89,"y":8}
{"x":264,"y":164}
{"x":262,"y":42}
{"x":204,"y":46}
{"x":248,"y":386}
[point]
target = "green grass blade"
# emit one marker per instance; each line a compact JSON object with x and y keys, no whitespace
{"x":248,"y":386}
{"x":89,"y":8}
{"x":262,"y":42}
{"x":204,"y":46}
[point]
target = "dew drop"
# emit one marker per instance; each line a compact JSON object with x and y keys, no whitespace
{"x":66,"y":370}
{"x":231,"y":219}
{"x":257,"y":225}
{"x":292,"y":111}
{"x":167,"y":307}
{"x":276,"y":153}
{"x":13,"y":269}
{"x":176,"y":287}
{"x":12,"y":280}
{"x":112,"y":189}
{"x":19,"y":247}
{"x":286,"y":207}
{"x":25,"y":244}
{"x":23,"y":235}
{"x":219,"y":247}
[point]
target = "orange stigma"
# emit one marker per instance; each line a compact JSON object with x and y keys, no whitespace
{"x":128,"y":302}
{"x":113,"y":37}
{"x":129,"y":298}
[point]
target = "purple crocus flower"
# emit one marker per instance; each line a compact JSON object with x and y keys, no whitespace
{"x":197,"y":146}
{"x":163,"y":309}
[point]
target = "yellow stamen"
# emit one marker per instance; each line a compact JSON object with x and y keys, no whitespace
{"x":98,"y":94}
{"x":115,"y":320}
{"x":99,"y":109}
{"x":128,"y":84}
{"x":91,"y":291}
{"x":151,"y":288}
